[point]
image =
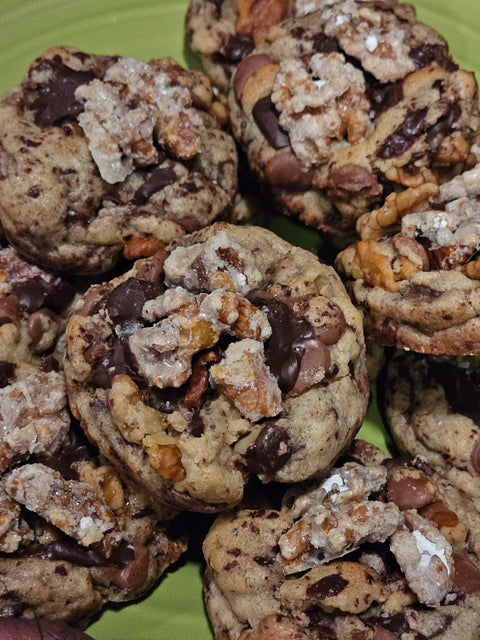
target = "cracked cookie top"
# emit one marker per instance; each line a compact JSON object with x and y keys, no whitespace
{"x":73,"y":536}
{"x":102,"y":154}
{"x":376,"y":548}
{"x":338,"y":108}
{"x":229,"y":354}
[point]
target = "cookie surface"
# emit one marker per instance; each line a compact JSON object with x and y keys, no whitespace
{"x":34,"y":306}
{"x":232,"y":353}
{"x":415,"y":272}
{"x":97,"y":152}
{"x":73,"y":537}
{"x":378,"y":548}
{"x":432,"y":406}
{"x":340,"y":107}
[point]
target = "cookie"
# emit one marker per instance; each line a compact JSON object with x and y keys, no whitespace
{"x":222,"y":34}
{"x":72,"y":536}
{"x":377,"y":548}
{"x":230,"y":354}
{"x":34,"y":306}
{"x":22,"y":629}
{"x":338,"y":108}
{"x":432,"y":407}
{"x":415,"y":272}
{"x":102,"y":154}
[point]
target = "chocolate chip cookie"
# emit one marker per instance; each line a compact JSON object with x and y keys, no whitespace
{"x":102,"y":154}
{"x":72,"y":536}
{"x":377,"y":548}
{"x":339,"y":108}
{"x":415,"y":272}
{"x":432,"y":404}
{"x":231,"y":353}
{"x":34,"y":306}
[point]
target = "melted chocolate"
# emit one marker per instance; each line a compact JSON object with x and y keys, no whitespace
{"x":126,"y":301}
{"x":444,"y":125}
{"x":196,"y":426}
{"x":427,"y":54}
{"x":270,"y":452}
{"x":72,"y":552}
{"x":266,"y":118}
{"x":327,"y":587}
{"x":118,"y":360}
{"x":36,"y":293}
{"x":238,"y":47}
{"x":285,"y":348}
{"x":324,"y":44}
{"x":158,"y":180}
{"x":56,"y":102}
{"x":462,"y":388}
{"x":404,"y":135}
{"x":7,"y":373}
{"x":384,"y":96}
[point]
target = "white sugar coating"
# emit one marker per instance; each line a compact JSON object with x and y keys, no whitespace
{"x":335,"y":482}
{"x":371,"y":43}
{"x":429,"y":549}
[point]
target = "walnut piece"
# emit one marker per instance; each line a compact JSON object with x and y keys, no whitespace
{"x":73,"y":507}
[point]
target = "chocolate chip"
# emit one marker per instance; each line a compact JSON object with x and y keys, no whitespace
{"x":327,"y":587}
{"x":117,"y":360}
{"x":246,"y":69}
{"x":461,"y":387}
{"x":56,"y":101}
{"x":38,"y":629}
{"x":126,"y":301}
{"x":444,"y":125}
{"x":286,"y":170}
{"x":196,"y":425}
{"x":285,"y":348}
{"x":270,"y":452}
{"x":384,"y":96}
{"x":325,"y":44}
{"x":404,"y":135}
{"x":467,"y":575}
{"x":10,"y":310}
{"x":7,"y":373}
{"x":425,"y":54}
{"x":237,"y":47}
{"x":266,"y":118}
{"x":409,"y":492}
{"x":156,"y":181}
{"x":347,"y":179}
{"x":35,"y":293}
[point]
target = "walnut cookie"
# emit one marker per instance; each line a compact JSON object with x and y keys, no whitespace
{"x":230,"y":354}
{"x":73,"y":537}
{"x":432,"y":406}
{"x":379,"y":548}
{"x":340,"y":107}
{"x":102,"y":154}
{"x":415,"y":272}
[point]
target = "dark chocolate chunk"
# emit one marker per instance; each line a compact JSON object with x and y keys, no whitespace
{"x":248,"y":68}
{"x":38,"y":629}
{"x":384,"y":96}
{"x":156,"y":181}
{"x":36,"y":293}
{"x":404,"y":135}
{"x":427,"y":54}
{"x":270,"y":452}
{"x":461,"y":387}
{"x":117,"y":360}
{"x":56,"y":102}
{"x":324,"y":44}
{"x":467,"y":574}
{"x":285,"y":348}
{"x":266,"y":118}
{"x":327,"y":587}
{"x":7,"y":373}
{"x":126,"y":301}
{"x":444,"y":125}
{"x":237,"y":47}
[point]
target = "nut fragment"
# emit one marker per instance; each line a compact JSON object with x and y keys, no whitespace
{"x":74,"y":507}
{"x":247,"y":381}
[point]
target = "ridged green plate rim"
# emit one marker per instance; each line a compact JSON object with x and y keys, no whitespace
{"x":174,"y":610}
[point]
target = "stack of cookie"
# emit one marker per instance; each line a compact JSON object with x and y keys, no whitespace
{"x":355,"y":119}
{"x":159,"y":359}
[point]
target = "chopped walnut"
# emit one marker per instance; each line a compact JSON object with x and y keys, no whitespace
{"x":164,"y":352}
{"x":143,"y":425}
{"x":246,"y":380}
{"x":106,"y":482}
{"x":71,"y":506}
{"x":334,"y":531}
{"x":132,"y":109}
{"x":215,"y":263}
{"x":351,"y":481}
{"x":33,"y":416}
{"x":257,"y":16}
{"x":376,"y":38}
{"x":320,"y":103}
{"x":13,"y":532}
{"x":425,"y":557}
{"x":236,"y":315}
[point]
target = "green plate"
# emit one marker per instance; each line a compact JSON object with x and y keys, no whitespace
{"x":148,"y":29}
